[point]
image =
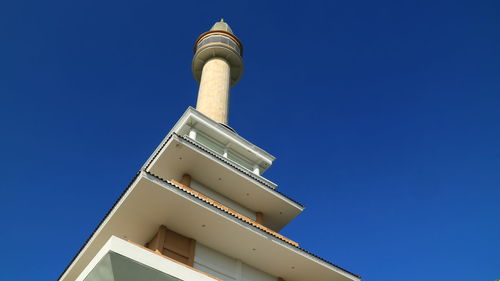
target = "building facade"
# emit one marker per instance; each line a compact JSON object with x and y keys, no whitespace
{"x":199,"y":208}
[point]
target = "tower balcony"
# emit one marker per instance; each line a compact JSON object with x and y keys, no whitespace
{"x":218,"y":39}
{"x":220,"y":44}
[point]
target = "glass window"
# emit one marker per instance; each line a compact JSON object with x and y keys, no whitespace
{"x":238,"y":159}
{"x":210,"y":144}
{"x":219,"y":39}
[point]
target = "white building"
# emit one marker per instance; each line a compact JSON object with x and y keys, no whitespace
{"x":199,"y":208}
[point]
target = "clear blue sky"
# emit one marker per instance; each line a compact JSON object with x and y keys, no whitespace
{"x":383,"y":115}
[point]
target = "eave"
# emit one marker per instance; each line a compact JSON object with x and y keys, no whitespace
{"x":178,"y":155}
{"x":195,"y":119}
{"x":150,"y":201}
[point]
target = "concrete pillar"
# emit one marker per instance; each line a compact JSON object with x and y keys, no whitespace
{"x":192,"y":134}
{"x":213,"y":95}
{"x":186,"y":180}
{"x":259,"y":217}
{"x":256,"y":169}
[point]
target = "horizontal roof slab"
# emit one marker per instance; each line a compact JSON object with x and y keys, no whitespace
{"x":193,"y":119}
{"x":150,"y":202}
{"x":180,"y":155}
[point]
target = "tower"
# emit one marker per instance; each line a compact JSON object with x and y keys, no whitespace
{"x":200,"y":208}
{"x":217,"y":66}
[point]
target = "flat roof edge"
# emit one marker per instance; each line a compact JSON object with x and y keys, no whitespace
{"x":275,"y":238}
{"x":265,"y":182}
{"x":141,"y":173}
{"x":230,"y":132}
{"x":100,"y":224}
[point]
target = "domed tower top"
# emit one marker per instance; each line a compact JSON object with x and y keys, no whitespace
{"x":222,"y":25}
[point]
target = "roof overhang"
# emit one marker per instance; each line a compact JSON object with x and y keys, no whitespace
{"x":194,"y":119}
{"x":150,"y":202}
{"x":180,"y":155}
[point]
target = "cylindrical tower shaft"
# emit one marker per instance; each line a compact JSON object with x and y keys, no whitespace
{"x":213,"y":95}
{"x":217,"y":66}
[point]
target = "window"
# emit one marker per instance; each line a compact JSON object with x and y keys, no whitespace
{"x":219,"y":39}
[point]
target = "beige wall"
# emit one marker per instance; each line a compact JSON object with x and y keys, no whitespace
{"x":213,"y":95}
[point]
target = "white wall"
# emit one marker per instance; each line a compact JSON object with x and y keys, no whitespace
{"x":252,"y":274}
{"x":215,"y":263}
{"x":144,"y":257}
{"x":221,"y":199}
{"x":226,"y":268}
